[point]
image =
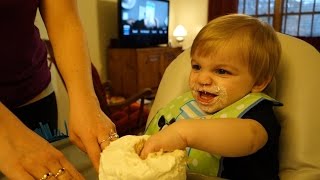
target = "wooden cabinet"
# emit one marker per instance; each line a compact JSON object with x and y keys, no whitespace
{"x":131,"y":70}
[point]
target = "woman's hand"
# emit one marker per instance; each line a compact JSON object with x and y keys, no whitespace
{"x":25,"y":155}
{"x":88,"y":127}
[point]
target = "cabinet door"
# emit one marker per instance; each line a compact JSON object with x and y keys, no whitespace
{"x":148,"y":61}
{"x":169,"y":55}
{"x":122,"y":68}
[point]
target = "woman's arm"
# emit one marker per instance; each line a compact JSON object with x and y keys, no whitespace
{"x":88,"y":125}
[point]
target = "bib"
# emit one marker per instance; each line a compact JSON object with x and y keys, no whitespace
{"x":185,"y":107}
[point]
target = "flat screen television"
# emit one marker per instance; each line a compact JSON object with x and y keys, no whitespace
{"x":143,"y":23}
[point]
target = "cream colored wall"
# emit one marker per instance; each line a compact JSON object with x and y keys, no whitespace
{"x":192,"y":14}
{"x":99,"y":19}
{"x":107,"y":29}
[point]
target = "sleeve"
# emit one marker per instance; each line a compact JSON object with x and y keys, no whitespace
{"x":264,"y":114}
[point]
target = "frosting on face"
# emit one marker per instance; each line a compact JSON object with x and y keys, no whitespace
{"x":209,"y":99}
{"x":121,"y":161}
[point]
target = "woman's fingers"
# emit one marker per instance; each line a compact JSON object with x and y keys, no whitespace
{"x":20,"y":173}
{"x":103,"y":144}
{"x":70,"y":170}
{"x":38,"y":172}
{"x":94,"y":151}
{"x":50,"y":165}
{"x":77,"y":141}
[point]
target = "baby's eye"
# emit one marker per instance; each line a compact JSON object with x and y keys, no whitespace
{"x":222,"y":71}
{"x":195,"y":67}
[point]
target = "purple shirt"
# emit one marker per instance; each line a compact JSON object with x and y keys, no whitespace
{"x":24,"y":71}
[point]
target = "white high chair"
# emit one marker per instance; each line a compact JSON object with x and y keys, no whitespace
{"x":297,"y":87}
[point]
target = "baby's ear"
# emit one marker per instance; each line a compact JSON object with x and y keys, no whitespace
{"x":260,"y":85}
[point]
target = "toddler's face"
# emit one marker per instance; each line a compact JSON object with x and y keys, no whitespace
{"x":219,"y":80}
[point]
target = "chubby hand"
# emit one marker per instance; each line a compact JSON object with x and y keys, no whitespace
{"x":168,"y":139}
{"x":90,"y":128}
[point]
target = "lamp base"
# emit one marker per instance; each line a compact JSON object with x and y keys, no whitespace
{"x":179,"y":42}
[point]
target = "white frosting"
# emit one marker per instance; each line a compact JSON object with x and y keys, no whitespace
{"x":121,"y":161}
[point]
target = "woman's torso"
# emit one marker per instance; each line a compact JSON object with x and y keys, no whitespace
{"x":24,"y":72}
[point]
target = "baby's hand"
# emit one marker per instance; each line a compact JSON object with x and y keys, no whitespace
{"x":167,"y":140}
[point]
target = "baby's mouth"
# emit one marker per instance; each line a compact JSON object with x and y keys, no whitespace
{"x":205,"y":97}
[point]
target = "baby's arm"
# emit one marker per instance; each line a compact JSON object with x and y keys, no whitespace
{"x":226,"y":137}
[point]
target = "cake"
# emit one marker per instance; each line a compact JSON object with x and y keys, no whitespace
{"x":121,"y":161}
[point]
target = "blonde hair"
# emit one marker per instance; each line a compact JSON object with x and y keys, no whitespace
{"x":256,"y":41}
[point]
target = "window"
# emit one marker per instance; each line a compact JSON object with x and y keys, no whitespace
{"x":293,"y":17}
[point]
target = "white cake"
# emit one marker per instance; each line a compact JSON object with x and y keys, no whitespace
{"x":121,"y":161}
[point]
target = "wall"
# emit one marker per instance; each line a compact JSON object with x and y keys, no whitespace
{"x":107,"y":29}
{"x":192,"y":14}
{"x":99,"y":18}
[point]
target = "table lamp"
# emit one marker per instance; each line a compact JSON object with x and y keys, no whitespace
{"x":179,"y":33}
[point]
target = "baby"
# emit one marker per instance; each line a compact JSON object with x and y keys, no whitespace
{"x":226,"y":122}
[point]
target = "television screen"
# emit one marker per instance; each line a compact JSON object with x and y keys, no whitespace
{"x":143,"y":23}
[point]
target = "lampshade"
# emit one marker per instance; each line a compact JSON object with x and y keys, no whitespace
{"x":179,"y":33}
